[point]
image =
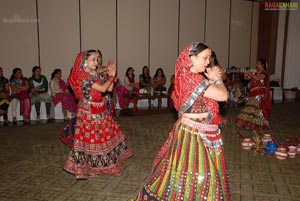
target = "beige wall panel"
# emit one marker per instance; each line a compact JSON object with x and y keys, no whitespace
{"x":192,"y":22}
{"x":19,"y":46}
{"x":254,"y":34}
{"x":280,"y":43}
{"x":133,"y":35}
{"x":163,"y":36}
{"x":59,"y":35}
{"x":292,"y":60}
{"x":240,"y":30}
{"x":98,"y":27}
{"x":217,"y":28}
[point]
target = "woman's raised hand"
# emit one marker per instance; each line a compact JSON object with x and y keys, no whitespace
{"x":111,"y":68}
{"x":213,"y":73}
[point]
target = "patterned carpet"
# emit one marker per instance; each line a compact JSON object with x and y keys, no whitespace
{"x":32,"y":158}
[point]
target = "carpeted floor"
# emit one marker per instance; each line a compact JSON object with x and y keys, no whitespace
{"x":32,"y":158}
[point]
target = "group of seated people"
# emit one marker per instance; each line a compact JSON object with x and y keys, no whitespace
{"x":131,"y":85}
{"x":34,"y":91}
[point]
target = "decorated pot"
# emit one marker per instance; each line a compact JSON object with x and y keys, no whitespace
{"x":281,"y":153}
{"x":266,"y":138}
{"x":270,"y":147}
{"x":292,"y":151}
{"x":247,"y":143}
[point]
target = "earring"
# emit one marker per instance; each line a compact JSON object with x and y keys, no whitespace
{"x":84,"y":65}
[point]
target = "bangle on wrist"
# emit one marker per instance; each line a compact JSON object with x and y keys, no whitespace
{"x":216,"y":79}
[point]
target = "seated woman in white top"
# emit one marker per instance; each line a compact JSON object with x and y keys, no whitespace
{"x":60,"y":93}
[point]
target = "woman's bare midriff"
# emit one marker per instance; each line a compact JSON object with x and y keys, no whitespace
{"x":196,"y":115}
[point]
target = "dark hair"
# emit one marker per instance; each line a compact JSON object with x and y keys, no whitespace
{"x":14,"y":71}
{"x":263,"y":62}
{"x":57,"y":70}
{"x":214,"y":56}
{"x":159,"y":69}
{"x":144,"y":69}
{"x":86,"y":55}
{"x":100,"y":53}
{"x":89,"y":52}
{"x":34,"y":68}
{"x":196,"y":48}
{"x":128,"y":69}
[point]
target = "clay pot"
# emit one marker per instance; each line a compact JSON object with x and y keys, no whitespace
{"x":281,"y":153}
{"x":266,"y":138}
{"x":292,"y":151}
{"x":271,"y":147}
{"x":247,"y":143}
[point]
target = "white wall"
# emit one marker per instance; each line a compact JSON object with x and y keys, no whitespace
{"x":130,"y":32}
{"x":58,"y":35}
{"x":292,"y":61}
{"x":18,"y":36}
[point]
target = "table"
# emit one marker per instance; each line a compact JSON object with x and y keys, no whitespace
{"x":150,"y":109}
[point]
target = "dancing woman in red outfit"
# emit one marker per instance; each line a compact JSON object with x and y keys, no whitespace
{"x":191,"y":165}
{"x":100,"y":147}
{"x":255,"y":114}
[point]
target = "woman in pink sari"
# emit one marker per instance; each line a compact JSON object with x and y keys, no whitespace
{"x":130,"y":86}
{"x":60,"y":93}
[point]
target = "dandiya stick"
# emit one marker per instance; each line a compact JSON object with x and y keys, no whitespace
{"x":275,"y":141}
{"x":241,"y":135}
{"x":297,"y":139}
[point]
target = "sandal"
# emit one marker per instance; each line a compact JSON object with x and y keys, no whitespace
{"x":26,"y":121}
{"x":14,"y":120}
{"x":6,"y":122}
{"x":38,"y":119}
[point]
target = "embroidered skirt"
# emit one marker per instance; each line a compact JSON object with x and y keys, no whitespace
{"x":189,"y":166}
{"x":99,"y":146}
{"x":251,"y":115}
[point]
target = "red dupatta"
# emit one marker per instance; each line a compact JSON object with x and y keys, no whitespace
{"x":186,"y":82}
{"x":78,"y":74}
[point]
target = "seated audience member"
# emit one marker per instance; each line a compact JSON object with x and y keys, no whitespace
{"x":60,"y":93}
{"x":245,"y":83}
{"x":234,"y":85}
{"x":159,"y":80}
{"x":19,"y":86}
{"x":130,"y":86}
{"x":145,"y":80}
{"x":4,"y":97}
{"x":38,"y":84}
